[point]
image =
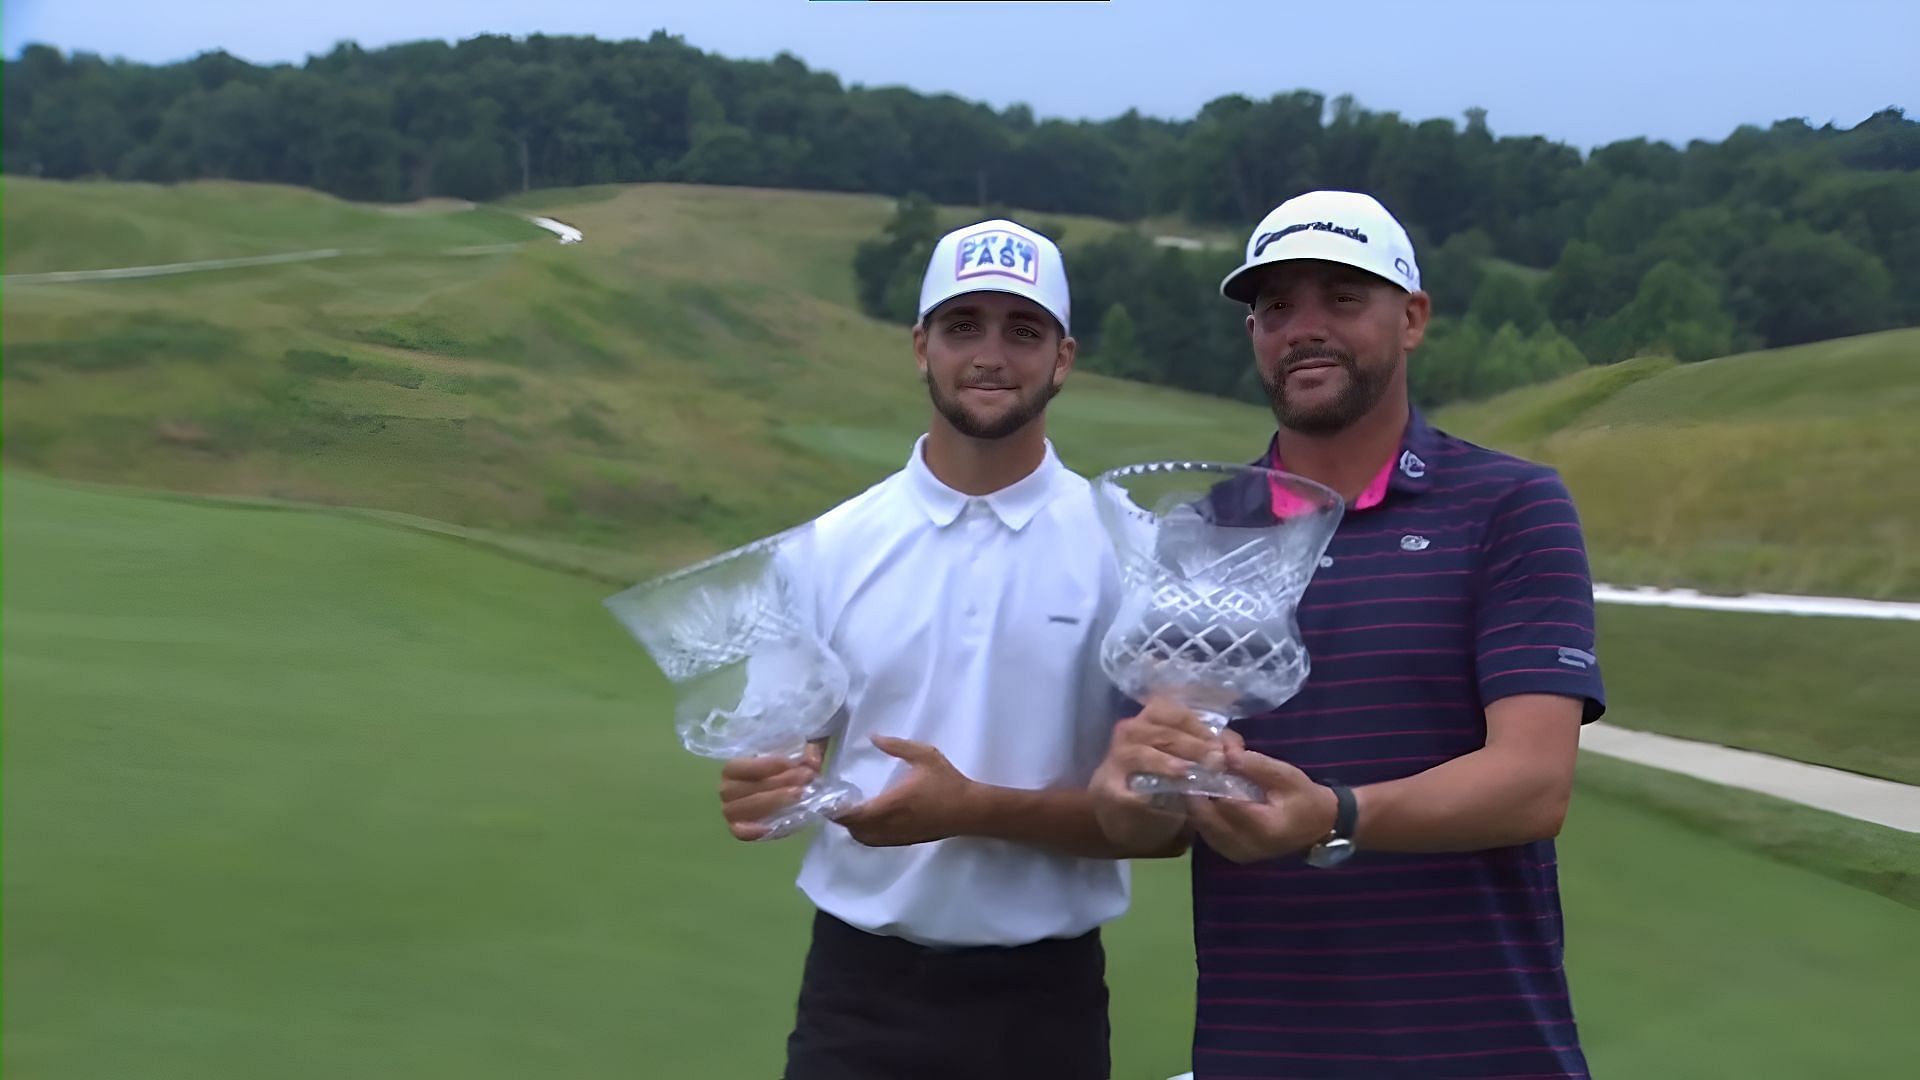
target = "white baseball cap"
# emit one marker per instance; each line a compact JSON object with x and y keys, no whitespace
{"x":997,"y":256}
{"x":1334,"y":226}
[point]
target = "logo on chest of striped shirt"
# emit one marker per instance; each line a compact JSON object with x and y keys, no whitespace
{"x":1413,"y":542}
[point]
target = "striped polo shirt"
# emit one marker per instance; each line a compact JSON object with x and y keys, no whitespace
{"x":1465,"y":582}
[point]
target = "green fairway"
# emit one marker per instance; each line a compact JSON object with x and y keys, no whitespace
{"x":302,"y":795}
{"x":1873,"y":857}
{"x":296,"y":796}
{"x":1834,"y":691}
{"x":1690,"y":957}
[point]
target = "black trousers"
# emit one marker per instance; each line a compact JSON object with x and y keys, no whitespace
{"x":879,"y":1008}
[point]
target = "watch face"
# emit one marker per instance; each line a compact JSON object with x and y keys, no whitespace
{"x":1331,"y":853}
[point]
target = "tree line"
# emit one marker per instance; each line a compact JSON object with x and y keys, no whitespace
{"x":1539,"y":257}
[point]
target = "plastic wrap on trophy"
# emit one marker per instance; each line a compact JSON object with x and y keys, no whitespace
{"x":1214,"y":559}
{"x":735,"y":636}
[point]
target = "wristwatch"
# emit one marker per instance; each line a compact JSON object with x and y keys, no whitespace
{"x":1338,"y":845}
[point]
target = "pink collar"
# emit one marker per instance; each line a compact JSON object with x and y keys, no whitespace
{"x":1286,"y":503}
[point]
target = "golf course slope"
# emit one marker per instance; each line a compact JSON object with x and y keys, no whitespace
{"x":691,"y":375}
{"x":696,"y":373}
{"x":1792,"y":470}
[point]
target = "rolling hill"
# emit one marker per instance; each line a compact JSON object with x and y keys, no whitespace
{"x":696,"y":373}
{"x":52,"y":226}
{"x":693,"y":374}
{"x":1791,"y":470}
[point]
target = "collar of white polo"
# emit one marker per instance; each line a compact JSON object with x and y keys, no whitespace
{"x":1015,"y":505}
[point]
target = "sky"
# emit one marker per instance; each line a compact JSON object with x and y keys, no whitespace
{"x":1585,"y":72}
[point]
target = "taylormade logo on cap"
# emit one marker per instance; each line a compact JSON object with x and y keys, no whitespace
{"x":997,"y":256}
{"x":1260,"y":243}
{"x":1331,"y":226}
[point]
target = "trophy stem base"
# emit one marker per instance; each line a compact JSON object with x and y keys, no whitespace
{"x":820,"y":799}
{"x":1206,"y":780}
{"x":1202,"y":782}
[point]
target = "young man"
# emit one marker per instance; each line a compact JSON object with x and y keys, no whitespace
{"x":1391,"y":909}
{"x":959,"y":907}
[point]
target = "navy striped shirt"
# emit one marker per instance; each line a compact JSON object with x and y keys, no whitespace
{"x":1467,"y":583}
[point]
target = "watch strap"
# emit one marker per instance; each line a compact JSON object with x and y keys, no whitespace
{"x":1346,"y":812}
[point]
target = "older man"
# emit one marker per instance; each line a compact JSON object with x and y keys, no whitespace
{"x":1390,"y":909}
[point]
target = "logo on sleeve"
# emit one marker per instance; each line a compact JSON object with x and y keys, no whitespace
{"x":1577,"y":658}
{"x":997,"y":253}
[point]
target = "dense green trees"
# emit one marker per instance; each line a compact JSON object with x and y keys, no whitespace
{"x":1769,"y":237}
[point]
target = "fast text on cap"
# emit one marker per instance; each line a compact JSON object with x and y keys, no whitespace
{"x":997,"y":253}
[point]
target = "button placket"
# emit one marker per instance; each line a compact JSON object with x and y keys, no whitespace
{"x":979,"y":526}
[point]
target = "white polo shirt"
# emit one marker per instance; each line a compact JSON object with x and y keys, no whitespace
{"x":971,"y":624}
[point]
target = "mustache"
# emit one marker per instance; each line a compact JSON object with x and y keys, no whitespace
{"x":1318,"y":352}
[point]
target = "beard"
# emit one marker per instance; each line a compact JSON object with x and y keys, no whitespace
{"x":1029,"y":406}
{"x":1363,"y":390}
